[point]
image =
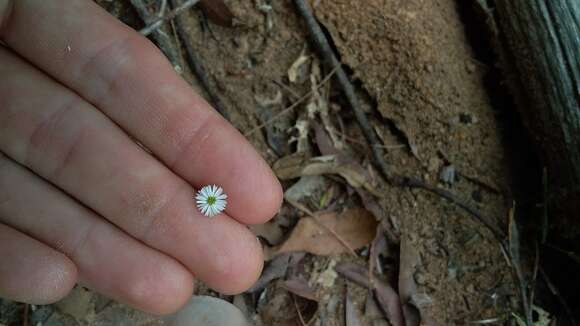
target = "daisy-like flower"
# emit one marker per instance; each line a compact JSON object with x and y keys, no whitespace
{"x":211,"y":200}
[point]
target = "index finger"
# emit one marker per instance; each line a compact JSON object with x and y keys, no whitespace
{"x":128,"y":79}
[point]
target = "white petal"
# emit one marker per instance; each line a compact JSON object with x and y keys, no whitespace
{"x":210,"y":211}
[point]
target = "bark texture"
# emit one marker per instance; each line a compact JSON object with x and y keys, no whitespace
{"x":540,"y":47}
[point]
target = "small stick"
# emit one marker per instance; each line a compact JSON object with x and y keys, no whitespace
{"x":194,"y":63}
{"x":557,"y":294}
{"x":286,"y":88}
{"x":163,"y":41}
{"x":298,"y":310}
{"x":25,"y":315}
{"x":162,"y":8}
{"x":416,"y":183}
{"x":157,"y":22}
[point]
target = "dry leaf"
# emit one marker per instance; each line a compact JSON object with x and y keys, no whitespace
{"x":385,"y":294}
{"x":308,"y":190}
{"x":275,"y":269}
{"x":297,"y":165}
{"x":355,"y":226}
{"x":271,"y":231}
{"x":217,"y":12}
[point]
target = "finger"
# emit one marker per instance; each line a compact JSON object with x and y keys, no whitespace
{"x":126,"y":77}
{"x":32,"y":272}
{"x":68,"y":142}
{"x":108,"y":260}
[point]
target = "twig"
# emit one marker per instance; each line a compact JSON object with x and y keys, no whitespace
{"x":416,"y":183}
{"x":325,"y":51}
{"x":293,"y":105}
{"x":305,"y":210}
{"x":25,"y":315}
{"x":162,"y":39}
{"x":153,"y":25}
{"x":557,"y":294}
{"x":298,"y":310}
{"x":287,"y":89}
{"x":194,"y":63}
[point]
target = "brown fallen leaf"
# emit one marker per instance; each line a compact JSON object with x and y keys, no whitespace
{"x":271,"y":231}
{"x":217,"y":12}
{"x":275,"y":269}
{"x":356,"y":227}
{"x":299,"y":164}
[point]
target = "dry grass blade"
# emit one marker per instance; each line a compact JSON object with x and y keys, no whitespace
{"x":300,"y":317}
{"x":352,"y":316}
{"x":385,"y":294}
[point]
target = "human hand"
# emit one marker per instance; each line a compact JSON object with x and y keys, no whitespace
{"x":82,"y":202}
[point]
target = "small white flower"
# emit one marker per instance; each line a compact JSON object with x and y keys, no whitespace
{"x":211,"y":200}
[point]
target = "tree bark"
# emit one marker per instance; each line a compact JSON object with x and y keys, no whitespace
{"x":539,"y":43}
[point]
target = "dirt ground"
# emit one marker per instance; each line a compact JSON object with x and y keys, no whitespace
{"x":423,"y":90}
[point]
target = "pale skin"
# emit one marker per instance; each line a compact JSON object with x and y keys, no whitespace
{"x":80,"y":201}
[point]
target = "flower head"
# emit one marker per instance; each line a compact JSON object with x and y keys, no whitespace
{"x":211,"y":200}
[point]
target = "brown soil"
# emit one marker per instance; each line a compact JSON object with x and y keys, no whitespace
{"x":412,"y":64}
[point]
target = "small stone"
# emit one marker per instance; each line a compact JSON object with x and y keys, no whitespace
{"x":470,"y":288}
{"x":448,"y":174}
{"x":434,"y":164}
{"x":76,"y":304}
{"x":467,"y":118}
{"x":420,"y":278}
{"x":328,"y":277}
{"x":470,"y":67}
{"x":41,"y":314}
{"x":477,"y":196}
